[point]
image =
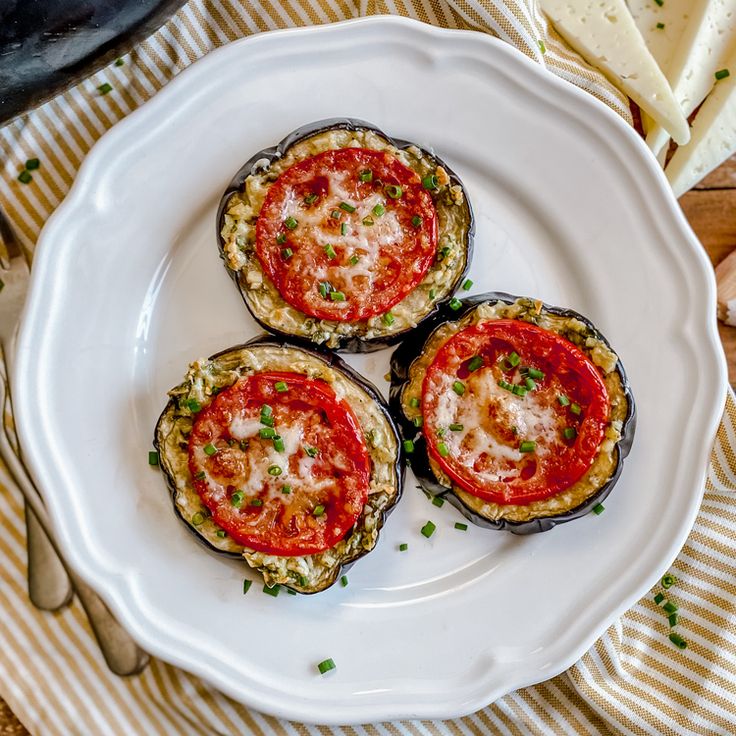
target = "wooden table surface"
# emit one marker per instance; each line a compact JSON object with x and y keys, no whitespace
{"x":711,"y":210}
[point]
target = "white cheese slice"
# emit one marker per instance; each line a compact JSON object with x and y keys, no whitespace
{"x":713,"y":135}
{"x":605,"y":34}
{"x":689,"y":49}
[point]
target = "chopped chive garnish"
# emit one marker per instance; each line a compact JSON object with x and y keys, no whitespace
{"x":325,"y":666}
{"x":354,"y":260}
{"x":432,"y":293}
{"x":570,"y":433}
{"x":529,"y":383}
{"x":246,"y":586}
{"x":335,"y":214}
{"x":287,"y":253}
{"x":221,"y":533}
{"x":462,"y":527}
{"x":281,"y":238}
{"x":337,"y":296}
{"x":536,"y":373}
{"x":281,"y":387}
{"x":441,"y":432}
{"x":575,"y":409}
{"x":267,"y":433}
{"x":437,"y":501}
{"x":237,"y":499}
{"x":659,"y":2}
{"x":676,"y":639}
{"x":344,"y":229}
{"x":193,"y":405}
{"x":272,"y":591}
{"x":672,"y":618}
{"x":24,"y":177}
{"x":456,"y":427}
{"x":368,"y":221}
{"x":290,"y":223}
{"x":403,"y":547}
{"x":527,"y":446}
{"x":670,"y":607}
{"x":442,"y":449}
{"x":564,"y":401}
{"x":467,"y":285}
{"x":658,"y":598}
{"x":416,"y":221}
{"x":506,"y":385}
{"x":210,"y":449}
{"x":455,"y":304}
{"x":458,"y":387}
{"x":325,"y":288}
{"x":153,"y":457}
{"x":318,"y":510}
{"x":346,"y":207}
{"x":519,"y":390}
{"x":266,"y":411}
{"x":32,"y":164}
{"x":278,"y":444}
{"x":428,"y":529}
{"x":274,"y":470}
{"x":542,"y":47}
{"x":311,"y":451}
{"x":598,"y":509}
{"x":408,"y":446}
{"x":417,"y":421}
{"x":379,"y":210}
{"x":394,"y":191}
{"x":119,"y":62}
{"x":514,"y":359}
{"x":198,"y":518}
{"x":366,"y":175}
{"x":344,"y":581}
{"x":103,"y":89}
{"x":475,"y":362}
{"x":257,"y":501}
{"x":201,"y":475}
{"x":329,"y":251}
{"x":668,"y":580}
{"x":388,"y":318}
{"x":414,"y":402}
{"x":722,"y":74}
{"x":660,"y":26}
{"x":302,"y":580}
{"x":310,"y":198}
{"x":286,"y":490}
{"x":430,"y":182}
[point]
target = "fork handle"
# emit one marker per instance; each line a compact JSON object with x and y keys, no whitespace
{"x":49,"y":586}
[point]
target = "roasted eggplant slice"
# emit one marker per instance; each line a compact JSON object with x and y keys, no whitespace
{"x":518,"y":413}
{"x":284,"y":455}
{"x":344,"y":237}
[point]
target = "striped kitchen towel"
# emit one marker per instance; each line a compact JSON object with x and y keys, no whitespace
{"x":634,"y":680}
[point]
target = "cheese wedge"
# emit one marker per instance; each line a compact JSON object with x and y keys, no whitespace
{"x":605,"y":34}
{"x":689,"y":49}
{"x":713,"y":134}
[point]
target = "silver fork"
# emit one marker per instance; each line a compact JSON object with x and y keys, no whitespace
{"x":122,"y":654}
{"x":49,"y":587}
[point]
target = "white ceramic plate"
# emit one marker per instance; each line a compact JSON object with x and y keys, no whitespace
{"x":128,"y":288}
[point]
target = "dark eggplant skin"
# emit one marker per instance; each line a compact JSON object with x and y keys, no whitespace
{"x":411,"y":349}
{"x":262,"y":160}
{"x":332,"y":360}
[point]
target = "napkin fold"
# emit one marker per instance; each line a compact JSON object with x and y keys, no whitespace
{"x":633,"y":681}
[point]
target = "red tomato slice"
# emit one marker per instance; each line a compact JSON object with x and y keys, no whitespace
{"x":340,"y":248}
{"x":296,"y":494}
{"x":476,"y":428}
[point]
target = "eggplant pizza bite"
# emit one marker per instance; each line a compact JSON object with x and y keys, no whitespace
{"x":345,"y":237}
{"x":519,"y":413}
{"x":284,"y":455}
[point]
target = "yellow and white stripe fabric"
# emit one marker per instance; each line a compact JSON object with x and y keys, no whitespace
{"x":633,"y":681}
